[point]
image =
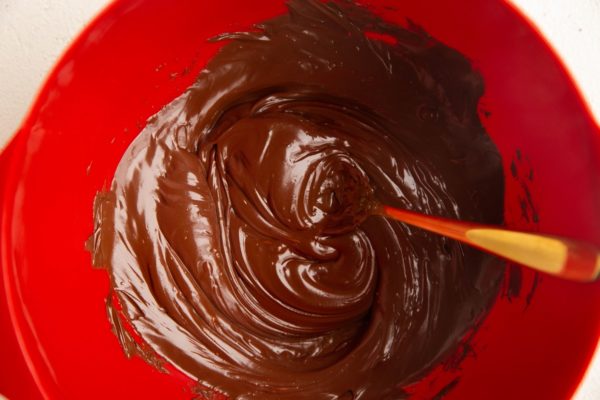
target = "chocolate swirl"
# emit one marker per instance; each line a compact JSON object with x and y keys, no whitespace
{"x":237,"y":232}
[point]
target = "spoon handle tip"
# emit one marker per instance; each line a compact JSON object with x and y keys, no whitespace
{"x":567,"y":258}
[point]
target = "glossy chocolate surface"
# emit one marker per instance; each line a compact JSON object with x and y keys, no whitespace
{"x":237,"y":232}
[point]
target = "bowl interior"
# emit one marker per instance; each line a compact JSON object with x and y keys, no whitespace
{"x":137,"y":56}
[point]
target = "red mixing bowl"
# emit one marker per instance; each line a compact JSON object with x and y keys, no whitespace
{"x":138,"y":55}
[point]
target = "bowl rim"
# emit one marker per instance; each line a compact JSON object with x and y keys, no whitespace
{"x":10,"y":147}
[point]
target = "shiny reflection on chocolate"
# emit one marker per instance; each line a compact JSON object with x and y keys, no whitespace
{"x":237,"y":231}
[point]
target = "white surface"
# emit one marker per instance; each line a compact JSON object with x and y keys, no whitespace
{"x":33,"y":34}
{"x":573,"y":28}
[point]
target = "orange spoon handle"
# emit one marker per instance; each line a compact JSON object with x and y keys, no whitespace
{"x":563,"y":257}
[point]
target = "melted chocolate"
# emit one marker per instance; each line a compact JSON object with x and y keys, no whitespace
{"x":237,"y":232}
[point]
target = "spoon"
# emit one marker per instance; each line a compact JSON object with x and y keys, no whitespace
{"x":562,"y":257}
